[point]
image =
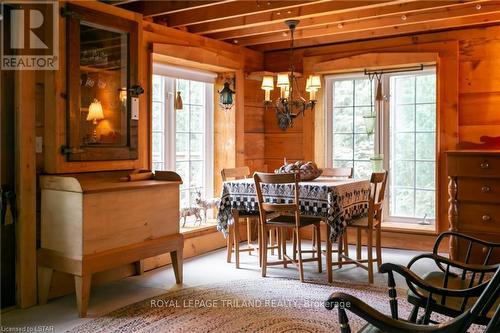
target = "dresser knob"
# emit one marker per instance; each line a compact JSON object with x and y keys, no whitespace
{"x":484,"y":165}
{"x":485,"y":189}
{"x":486,"y":218}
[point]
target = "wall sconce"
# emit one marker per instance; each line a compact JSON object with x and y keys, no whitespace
{"x":178,"y":101}
{"x":95,"y":113}
{"x":226,"y":100}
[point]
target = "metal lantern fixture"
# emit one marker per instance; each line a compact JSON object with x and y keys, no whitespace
{"x":226,"y":100}
{"x":290,"y":104}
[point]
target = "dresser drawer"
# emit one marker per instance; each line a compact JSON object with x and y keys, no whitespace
{"x":479,"y":217}
{"x":474,"y":166}
{"x":479,"y":189}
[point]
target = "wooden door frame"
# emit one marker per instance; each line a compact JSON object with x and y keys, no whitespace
{"x":25,"y":165}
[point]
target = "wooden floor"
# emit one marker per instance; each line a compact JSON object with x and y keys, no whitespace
{"x":62,"y":315}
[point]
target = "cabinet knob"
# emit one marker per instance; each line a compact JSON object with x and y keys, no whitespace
{"x":486,"y":218}
{"x":484,"y":165}
{"x":485,"y":189}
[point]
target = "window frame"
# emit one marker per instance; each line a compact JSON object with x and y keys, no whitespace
{"x":383,"y":135}
{"x":386,"y":148}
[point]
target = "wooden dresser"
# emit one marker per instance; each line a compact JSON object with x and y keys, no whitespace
{"x":93,"y":222}
{"x":474,"y":195}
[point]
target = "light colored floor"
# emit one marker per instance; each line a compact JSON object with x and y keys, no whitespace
{"x":61,"y":313}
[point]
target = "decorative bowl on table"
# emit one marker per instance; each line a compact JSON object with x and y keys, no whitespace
{"x":307,"y":170}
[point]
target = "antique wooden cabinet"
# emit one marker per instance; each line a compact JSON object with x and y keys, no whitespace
{"x":474,"y":195}
{"x":91,"y":222}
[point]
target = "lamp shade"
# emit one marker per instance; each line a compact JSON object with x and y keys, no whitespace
{"x":315,"y":82}
{"x":267,"y":83}
{"x":308,"y":85}
{"x":283,"y":80}
{"x":95,"y":111}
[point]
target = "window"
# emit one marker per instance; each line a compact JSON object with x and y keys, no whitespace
{"x":408,"y":137}
{"x":352,"y":146}
{"x":412,"y":145}
{"x":183,"y":139}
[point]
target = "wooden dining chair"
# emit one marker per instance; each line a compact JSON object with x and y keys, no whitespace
{"x":284,"y":216}
{"x":370,"y":224}
{"x":342,"y":173}
{"x":337,"y":172}
{"x":233,"y":239}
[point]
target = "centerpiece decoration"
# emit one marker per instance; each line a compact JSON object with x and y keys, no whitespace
{"x":306,"y":170}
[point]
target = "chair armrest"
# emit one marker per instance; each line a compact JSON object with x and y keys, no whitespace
{"x":440,"y":259}
{"x":376,"y":318}
{"x":412,"y":278}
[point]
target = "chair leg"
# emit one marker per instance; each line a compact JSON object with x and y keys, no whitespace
{"x":229,"y":241}
{"x":313,"y":240}
{"x":236,"y":241}
{"x":271,"y":240}
{"x":328,"y":255}
{"x":299,"y":246}
{"x":283,"y":245}
{"x":378,"y":245}
{"x":265,"y":233}
{"x":318,"y":246}
{"x":259,"y":241}
{"x":294,"y":246}
{"x":346,"y":244}
{"x":358,"y":243}
{"x":279,"y":235}
{"x":340,"y":245}
{"x":249,"y":234}
{"x":369,"y":249}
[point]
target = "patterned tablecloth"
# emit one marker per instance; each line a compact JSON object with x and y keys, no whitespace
{"x":337,"y":201}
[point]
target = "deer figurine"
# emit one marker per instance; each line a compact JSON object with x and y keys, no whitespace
{"x":190,"y":211}
{"x":205,"y":204}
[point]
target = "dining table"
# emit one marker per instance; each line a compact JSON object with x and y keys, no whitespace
{"x":337,"y":201}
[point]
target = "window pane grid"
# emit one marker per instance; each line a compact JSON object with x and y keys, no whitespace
{"x":407,"y":200}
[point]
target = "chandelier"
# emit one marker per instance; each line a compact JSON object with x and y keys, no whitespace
{"x":290,"y":103}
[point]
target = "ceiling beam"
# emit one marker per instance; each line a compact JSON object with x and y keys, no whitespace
{"x":227,"y":10}
{"x":375,"y":23}
{"x":304,"y":11}
{"x":390,"y":31}
{"x":321,"y":19}
{"x":156,"y":7}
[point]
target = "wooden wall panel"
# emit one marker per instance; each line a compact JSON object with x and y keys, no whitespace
{"x":254,"y":127}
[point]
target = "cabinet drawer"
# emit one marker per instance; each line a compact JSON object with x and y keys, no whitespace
{"x":479,"y":189}
{"x":479,"y":217}
{"x":475,"y":166}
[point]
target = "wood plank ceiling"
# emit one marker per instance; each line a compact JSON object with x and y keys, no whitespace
{"x":259,"y":24}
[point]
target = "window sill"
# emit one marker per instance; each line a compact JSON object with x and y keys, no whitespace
{"x":409,"y":227}
{"x":200,"y":231}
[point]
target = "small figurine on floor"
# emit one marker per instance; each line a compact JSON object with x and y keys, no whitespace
{"x":190,"y":211}
{"x":204,"y":205}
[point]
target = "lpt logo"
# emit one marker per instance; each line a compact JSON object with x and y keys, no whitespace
{"x":30,"y":35}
